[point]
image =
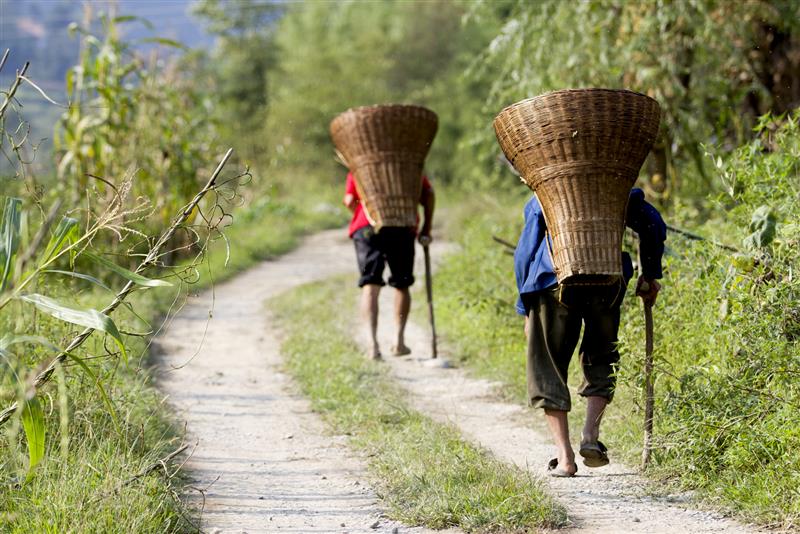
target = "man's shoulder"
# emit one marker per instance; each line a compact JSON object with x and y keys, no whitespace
{"x":637,"y":194}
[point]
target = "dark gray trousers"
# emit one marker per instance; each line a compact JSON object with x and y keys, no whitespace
{"x":555,"y":319}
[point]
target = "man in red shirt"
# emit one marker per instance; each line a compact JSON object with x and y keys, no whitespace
{"x":392,"y":245}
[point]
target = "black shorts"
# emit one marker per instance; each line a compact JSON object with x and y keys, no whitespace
{"x":392,"y":245}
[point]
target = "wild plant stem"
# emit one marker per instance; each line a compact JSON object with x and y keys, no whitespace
{"x":44,"y":376}
{"x":13,"y":90}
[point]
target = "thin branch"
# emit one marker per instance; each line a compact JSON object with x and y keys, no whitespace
{"x":684,"y":233}
{"x":14,"y":87}
{"x":3,"y":60}
{"x":44,"y":376}
{"x":504,"y":242}
{"x":695,"y":237}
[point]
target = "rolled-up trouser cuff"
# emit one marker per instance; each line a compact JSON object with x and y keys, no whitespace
{"x":548,"y":404}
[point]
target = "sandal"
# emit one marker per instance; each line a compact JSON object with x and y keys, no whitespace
{"x":594,"y":454}
{"x":554,"y":471}
{"x":400,"y":350}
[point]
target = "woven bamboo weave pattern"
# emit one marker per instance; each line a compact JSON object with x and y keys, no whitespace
{"x":385,"y":148}
{"x":580,"y":151}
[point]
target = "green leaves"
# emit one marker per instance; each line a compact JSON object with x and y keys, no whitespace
{"x":125,"y":273}
{"x":10,"y":339}
{"x":66,"y":233}
{"x":89,"y":318}
{"x":33,"y":424}
{"x":165,"y":42}
{"x":762,"y":226}
{"x":9,"y":238}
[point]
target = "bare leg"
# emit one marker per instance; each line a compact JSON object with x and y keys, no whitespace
{"x":595,"y":406}
{"x":559,"y":430}
{"x":369,"y":312}
{"x":402,"y":306}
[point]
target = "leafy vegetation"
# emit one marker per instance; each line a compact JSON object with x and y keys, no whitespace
{"x":427,"y":473}
{"x":139,"y":136}
{"x":727,"y":334}
{"x":711,"y":65}
{"x":81,"y":421}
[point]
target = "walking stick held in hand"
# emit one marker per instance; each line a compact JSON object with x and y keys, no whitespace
{"x":649,"y":395}
{"x":429,"y":291}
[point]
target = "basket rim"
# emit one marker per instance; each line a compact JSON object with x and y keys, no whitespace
{"x":596,"y":90}
{"x":375,"y":107}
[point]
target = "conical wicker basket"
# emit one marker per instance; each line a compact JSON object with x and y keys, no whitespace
{"x":580,"y":151}
{"x":385,"y":148}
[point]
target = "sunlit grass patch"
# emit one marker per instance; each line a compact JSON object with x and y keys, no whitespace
{"x":425,"y":471}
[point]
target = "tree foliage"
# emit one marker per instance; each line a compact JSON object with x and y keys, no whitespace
{"x":333,"y":56}
{"x":239,"y":67}
{"x":712,"y":65}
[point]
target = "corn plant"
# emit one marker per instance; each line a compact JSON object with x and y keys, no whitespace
{"x":42,"y":248}
{"x":127,"y":110}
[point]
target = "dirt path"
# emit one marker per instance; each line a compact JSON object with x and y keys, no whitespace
{"x":263,"y":458}
{"x":609,"y":499}
{"x":267,"y":463}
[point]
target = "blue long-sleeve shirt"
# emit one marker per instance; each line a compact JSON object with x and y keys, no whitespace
{"x":534,"y":267}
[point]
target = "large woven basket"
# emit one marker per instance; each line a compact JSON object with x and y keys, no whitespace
{"x":580,"y":151}
{"x":385,"y":147}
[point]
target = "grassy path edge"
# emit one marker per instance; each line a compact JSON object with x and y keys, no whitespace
{"x":425,"y":472}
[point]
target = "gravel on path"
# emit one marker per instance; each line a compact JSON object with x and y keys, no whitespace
{"x":264,"y":461}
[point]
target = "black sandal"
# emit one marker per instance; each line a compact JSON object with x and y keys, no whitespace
{"x":594,"y":454}
{"x":554,"y":471}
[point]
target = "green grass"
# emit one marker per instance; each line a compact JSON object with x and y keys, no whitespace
{"x":426,"y":473}
{"x":81,"y":483}
{"x":726,"y":352}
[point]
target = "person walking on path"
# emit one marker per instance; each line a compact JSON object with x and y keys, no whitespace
{"x":553,"y":317}
{"x":392,"y":245}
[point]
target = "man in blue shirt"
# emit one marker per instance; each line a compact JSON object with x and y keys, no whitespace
{"x":553,"y":317}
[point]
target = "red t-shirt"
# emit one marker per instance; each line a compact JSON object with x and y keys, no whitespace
{"x":359,"y":219}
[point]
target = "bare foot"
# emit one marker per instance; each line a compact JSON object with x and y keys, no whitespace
{"x":567,"y":465}
{"x":375,"y":353}
{"x":400,"y":350}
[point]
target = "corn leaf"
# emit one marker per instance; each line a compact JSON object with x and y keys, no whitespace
{"x":97,"y":382}
{"x":163,"y":41}
{"x":99,"y":283}
{"x":89,"y":318}
{"x":33,"y":424}
{"x":9,"y":238}
{"x":81,"y":276}
{"x":66,"y":232}
{"x":133,"y":18}
{"x":11,"y":339}
{"x":125,"y":273}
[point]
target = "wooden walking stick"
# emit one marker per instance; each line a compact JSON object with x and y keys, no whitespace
{"x":649,"y":396}
{"x":429,"y":291}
